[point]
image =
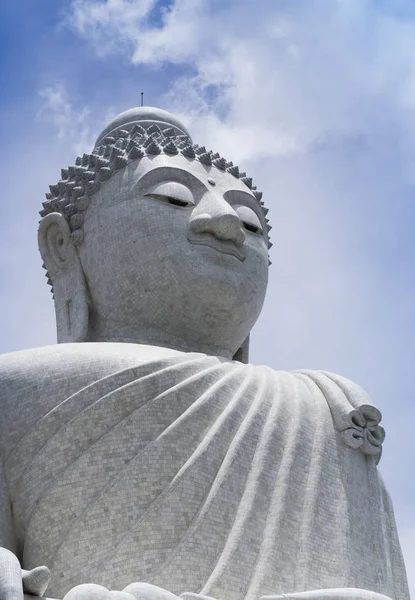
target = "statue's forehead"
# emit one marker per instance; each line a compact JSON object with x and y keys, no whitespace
{"x":191,"y":173}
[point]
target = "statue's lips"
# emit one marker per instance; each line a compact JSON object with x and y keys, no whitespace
{"x":223,"y":246}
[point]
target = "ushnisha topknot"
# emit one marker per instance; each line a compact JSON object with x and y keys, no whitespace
{"x":130,"y":136}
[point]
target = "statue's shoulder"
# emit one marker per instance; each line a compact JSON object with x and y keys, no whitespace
{"x":32,"y":382}
{"x":39,"y":366}
{"x":23,"y":370}
{"x":333,"y":383}
{"x":325,"y":387}
{"x":325,"y":381}
{"x":91,"y":359}
{"x":355,"y":418}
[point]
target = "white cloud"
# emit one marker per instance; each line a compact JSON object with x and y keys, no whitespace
{"x":111,"y":24}
{"x":287,"y":75}
{"x":72,"y":125}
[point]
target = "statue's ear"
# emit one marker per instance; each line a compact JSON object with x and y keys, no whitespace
{"x":65,"y":271}
{"x":242,"y":354}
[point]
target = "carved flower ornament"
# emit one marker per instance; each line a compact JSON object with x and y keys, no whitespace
{"x":363,"y":430}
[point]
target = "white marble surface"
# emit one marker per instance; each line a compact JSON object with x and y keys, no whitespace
{"x":140,"y":454}
{"x":194,"y":473}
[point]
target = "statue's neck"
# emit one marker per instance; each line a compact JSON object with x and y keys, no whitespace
{"x":101,"y":330}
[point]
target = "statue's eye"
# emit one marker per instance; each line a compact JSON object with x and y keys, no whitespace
{"x":170,"y":200}
{"x":249,"y":219}
{"x":173,"y":193}
{"x":250,"y":227}
{"x":176,"y":201}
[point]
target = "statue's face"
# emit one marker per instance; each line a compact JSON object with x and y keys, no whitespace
{"x":178,"y":249}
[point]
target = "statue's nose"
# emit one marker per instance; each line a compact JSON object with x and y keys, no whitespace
{"x":217,"y":217}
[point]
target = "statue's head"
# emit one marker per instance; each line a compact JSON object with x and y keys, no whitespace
{"x":154,"y":240}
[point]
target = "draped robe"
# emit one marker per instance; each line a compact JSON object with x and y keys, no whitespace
{"x":195,"y":474}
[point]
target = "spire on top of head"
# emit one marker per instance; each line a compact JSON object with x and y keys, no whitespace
{"x":144,"y":117}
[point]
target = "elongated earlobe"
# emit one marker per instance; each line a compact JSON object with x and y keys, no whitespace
{"x":242,"y":354}
{"x":65,"y":271}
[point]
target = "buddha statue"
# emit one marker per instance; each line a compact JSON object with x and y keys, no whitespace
{"x":143,"y":457}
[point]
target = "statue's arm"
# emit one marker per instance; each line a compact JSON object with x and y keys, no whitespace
{"x":13,"y":579}
{"x":8,"y":397}
{"x":7,"y":536}
{"x":11,"y":587}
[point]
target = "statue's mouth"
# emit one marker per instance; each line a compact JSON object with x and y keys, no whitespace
{"x":223,"y":246}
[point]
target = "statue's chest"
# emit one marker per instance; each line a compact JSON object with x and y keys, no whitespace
{"x":87,"y":442}
{"x":130,"y":472}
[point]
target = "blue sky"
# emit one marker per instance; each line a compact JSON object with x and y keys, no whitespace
{"x":314,"y":98}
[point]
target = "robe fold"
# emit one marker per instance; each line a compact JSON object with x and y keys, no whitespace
{"x":202,"y":475}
